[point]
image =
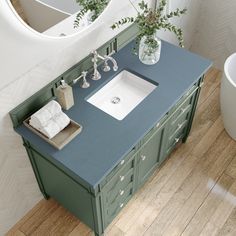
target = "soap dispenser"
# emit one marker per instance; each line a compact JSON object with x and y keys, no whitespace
{"x":65,"y":96}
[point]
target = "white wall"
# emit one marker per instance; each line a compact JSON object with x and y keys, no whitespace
{"x":216,"y":31}
{"x":18,"y":187}
{"x":187,"y":22}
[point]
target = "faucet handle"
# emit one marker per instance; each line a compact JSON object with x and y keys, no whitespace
{"x":111,"y":53}
{"x":84,"y":73}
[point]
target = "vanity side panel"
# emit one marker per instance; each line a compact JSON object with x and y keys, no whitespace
{"x":200,"y":84}
{"x":65,"y":190}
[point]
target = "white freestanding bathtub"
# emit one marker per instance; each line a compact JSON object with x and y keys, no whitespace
{"x":44,"y":14}
{"x":228,"y":96}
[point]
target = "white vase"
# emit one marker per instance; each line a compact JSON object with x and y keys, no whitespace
{"x":150,"y":49}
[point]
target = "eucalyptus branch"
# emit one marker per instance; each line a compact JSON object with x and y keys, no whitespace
{"x":150,"y":20}
{"x":122,"y":22}
{"x":95,"y":6}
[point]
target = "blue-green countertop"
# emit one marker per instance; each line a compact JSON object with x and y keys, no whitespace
{"x":104,"y":141}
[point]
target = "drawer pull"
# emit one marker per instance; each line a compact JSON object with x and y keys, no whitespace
{"x":122,"y":192}
{"x":143,"y":157}
{"x":122,"y":178}
{"x":122,"y":162}
{"x":180,"y":126}
{"x":121,"y":205}
{"x":177,"y":140}
{"x":184,"y":109}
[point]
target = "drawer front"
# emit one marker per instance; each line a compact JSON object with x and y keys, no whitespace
{"x":183,"y":99}
{"x":119,"y":181}
{"x":111,"y":210}
{"x":174,"y":139}
{"x":183,"y":108}
{"x":179,"y":123}
{"x":124,"y":163}
{"x":117,"y":187}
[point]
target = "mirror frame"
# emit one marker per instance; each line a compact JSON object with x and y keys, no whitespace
{"x":35,"y":32}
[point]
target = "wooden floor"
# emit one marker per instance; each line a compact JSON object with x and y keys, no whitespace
{"x":193,"y":193}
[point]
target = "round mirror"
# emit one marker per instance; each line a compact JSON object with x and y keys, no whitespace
{"x":58,"y":18}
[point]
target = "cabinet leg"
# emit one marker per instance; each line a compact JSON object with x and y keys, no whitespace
{"x":46,"y":197}
{"x":184,"y":139}
{"x":97,"y":234}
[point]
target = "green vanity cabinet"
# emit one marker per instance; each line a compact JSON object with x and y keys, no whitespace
{"x":97,"y":207}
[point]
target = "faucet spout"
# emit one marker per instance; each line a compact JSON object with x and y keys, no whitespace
{"x":115,"y":65}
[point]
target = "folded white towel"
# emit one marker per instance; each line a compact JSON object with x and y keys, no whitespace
{"x":62,"y":120}
{"x":53,"y":107}
{"x":50,"y":119}
{"x":51,"y":129}
{"x":42,"y":116}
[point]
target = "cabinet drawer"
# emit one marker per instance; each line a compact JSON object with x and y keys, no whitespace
{"x":184,"y":107}
{"x":179,"y":129}
{"x":124,"y":165}
{"x":175,"y":138}
{"x":116,"y":206}
{"x":120,"y":178}
{"x":116,"y":188}
{"x":186,"y":97}
{"x":179,"y":123}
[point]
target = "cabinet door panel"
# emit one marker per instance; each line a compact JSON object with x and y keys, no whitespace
{"x":149,"y":155}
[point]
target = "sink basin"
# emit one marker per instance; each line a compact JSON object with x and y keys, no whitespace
{"x":122,"y":94}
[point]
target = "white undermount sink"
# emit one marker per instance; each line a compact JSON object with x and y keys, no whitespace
{"x":122,"y":94}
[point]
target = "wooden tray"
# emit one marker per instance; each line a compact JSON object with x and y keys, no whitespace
{"x":61,"y":139}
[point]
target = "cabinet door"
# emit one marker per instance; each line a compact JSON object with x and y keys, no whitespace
{"x":149,"y":155}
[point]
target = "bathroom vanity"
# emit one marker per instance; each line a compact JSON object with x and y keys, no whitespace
{"x":99,"y":171}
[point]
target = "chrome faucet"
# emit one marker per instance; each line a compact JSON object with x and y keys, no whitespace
{"x":106,"y":67}
{"x":85,"y":83}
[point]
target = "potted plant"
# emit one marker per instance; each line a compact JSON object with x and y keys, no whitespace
{"x":149,"y":21}
{"x":91,"y":9}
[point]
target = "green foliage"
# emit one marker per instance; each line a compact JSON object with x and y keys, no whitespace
{"x":150,"y":20}
{"x":95,"y":6}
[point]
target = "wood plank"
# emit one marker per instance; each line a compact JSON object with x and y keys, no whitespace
{"x":81,"y":230}
{"x":16,"y":233}
{"x":38,"y":216}
{"x":229,"y":228}
{"x":231,"y":170}
{"x":209,"y":206}
{"x":40,"y":208}
{"x":59,"y":223}
{"x":114,"y":231}
{"x":211,"y":82}
{"x":182,"y":207}
{"x":222,"y":213}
